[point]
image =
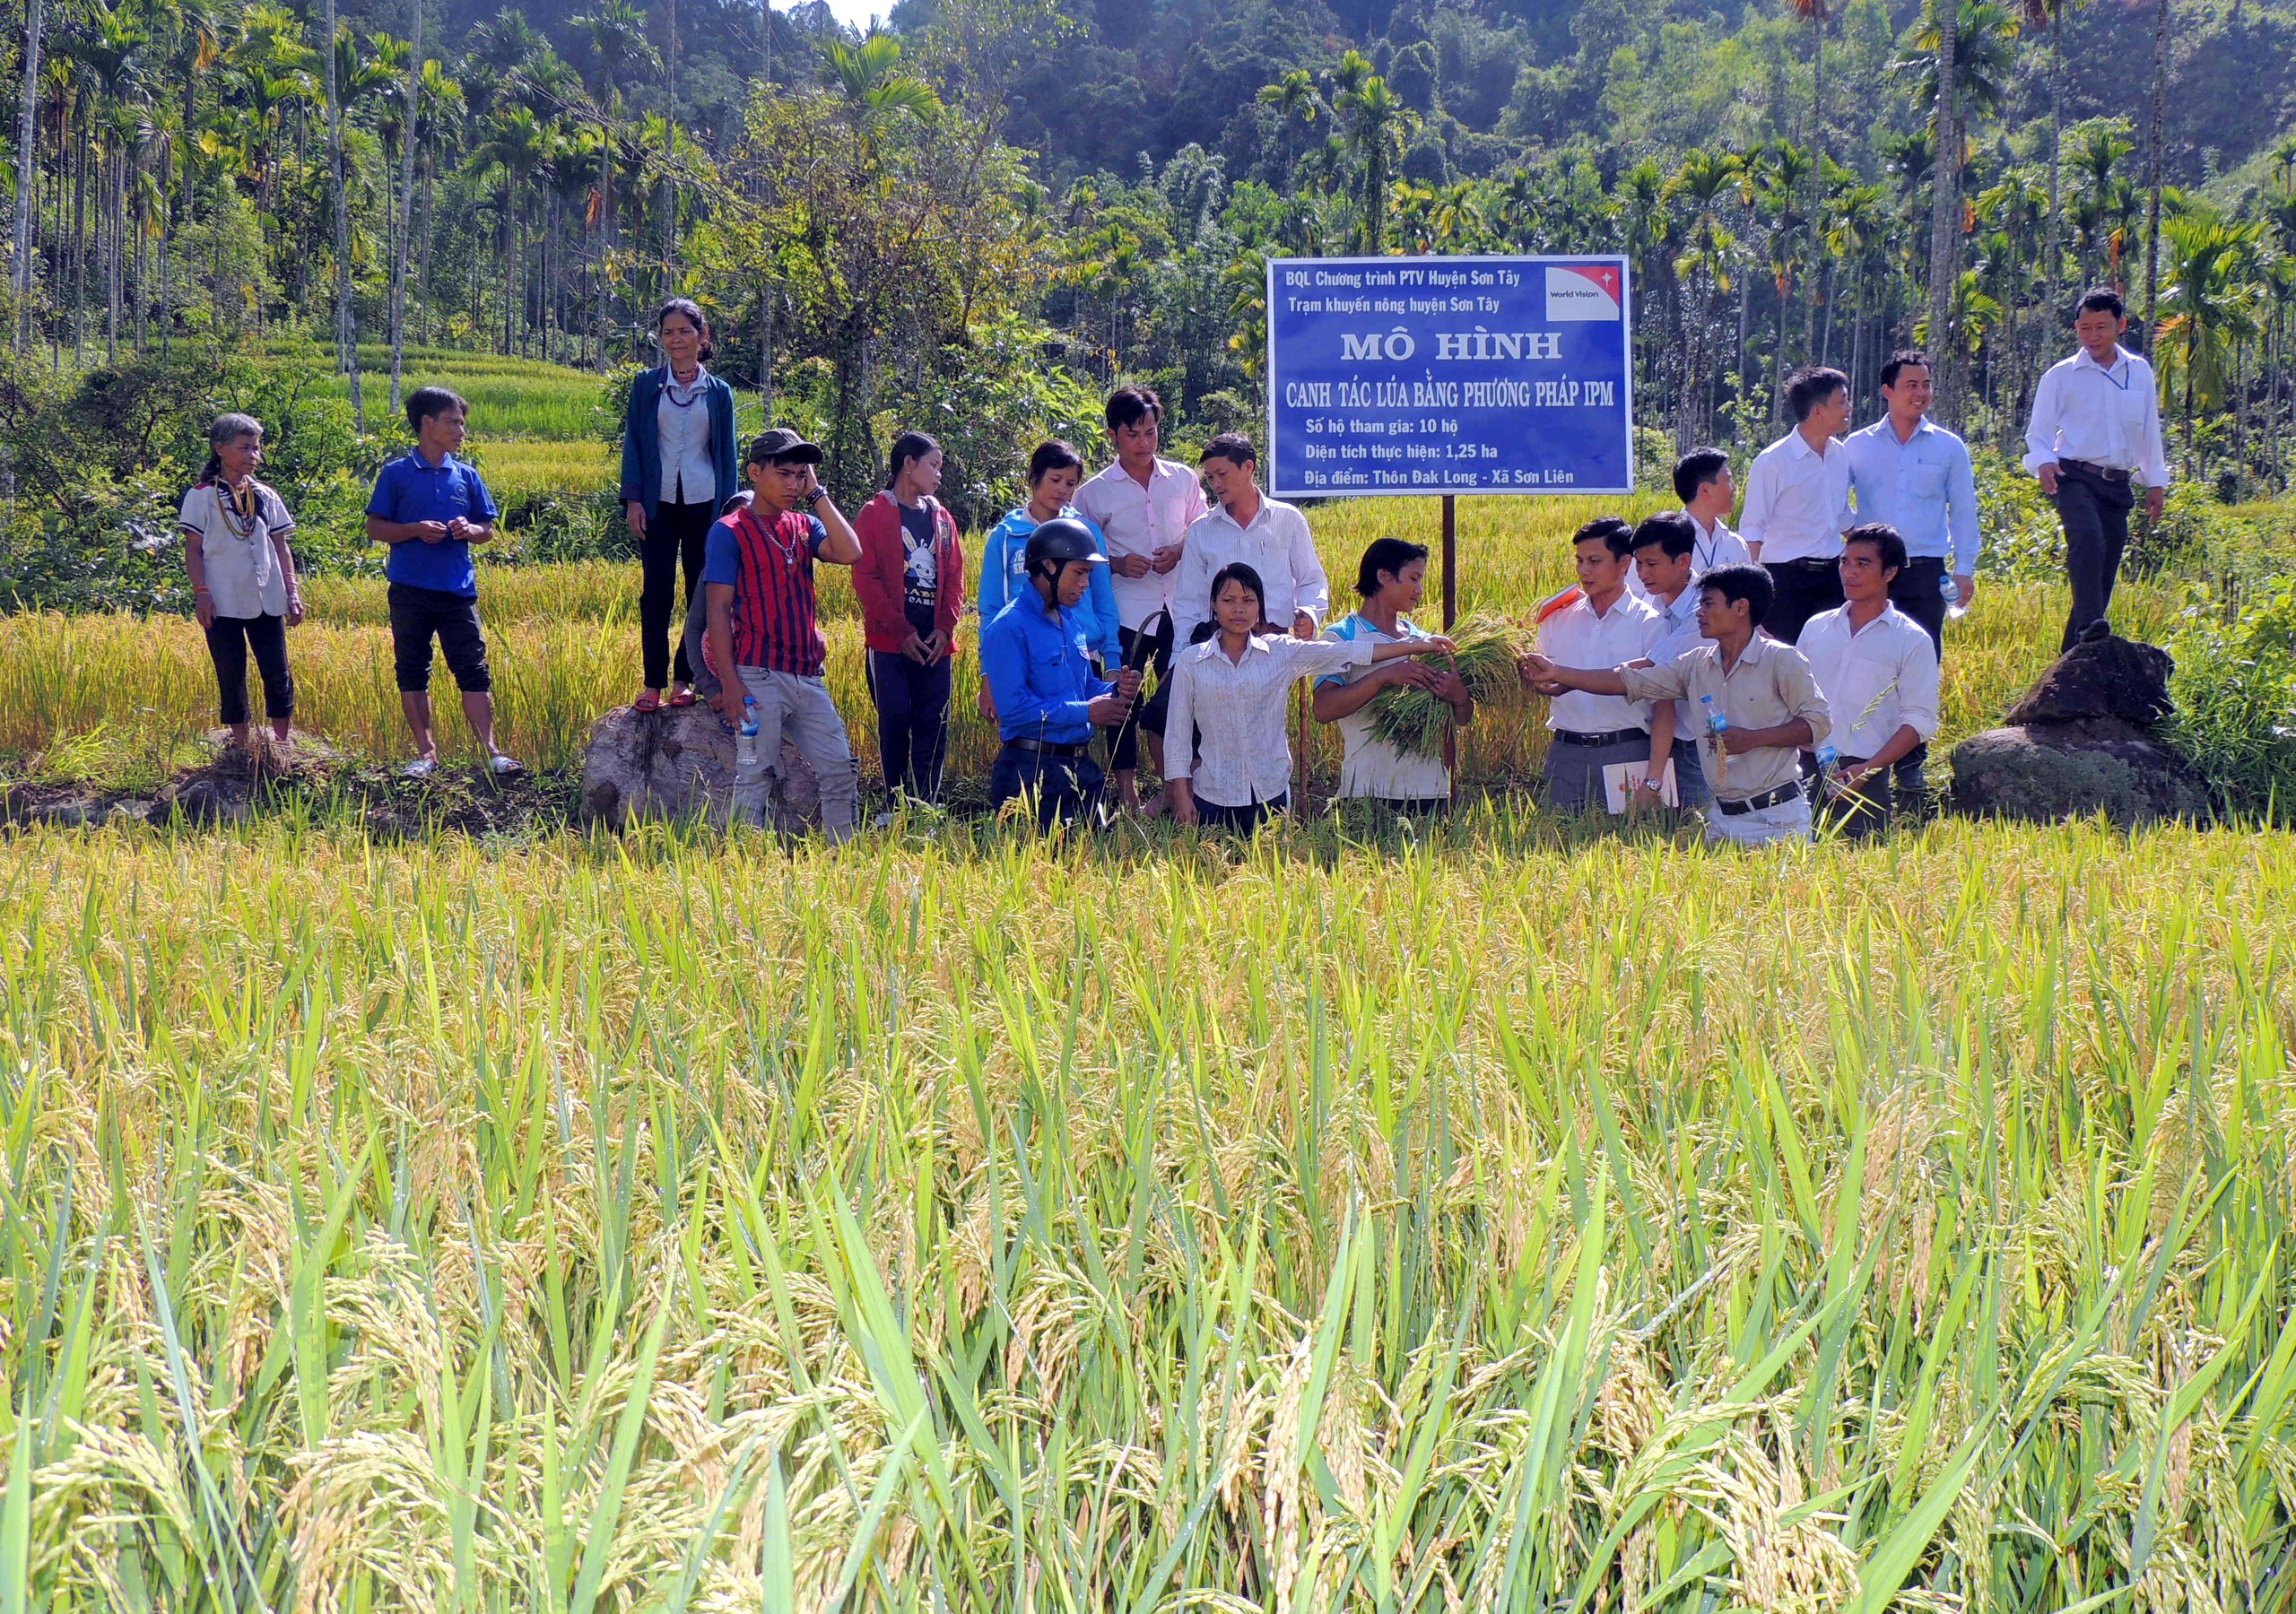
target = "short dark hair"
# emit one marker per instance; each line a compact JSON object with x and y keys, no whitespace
{"x":1697,"y":468}
{"x":1238,"y":572}
{"x":1883,"y":537}
{"x":425,"y":401}
{"x":1812,"y":386}
{"x":2101,"y":299}
{"x":1898,"y":360}
{"x":1389,"y":555}
{"x":908,"y":445}
{"x":1673,"y":532}
{"x":1609,"y":531}
{"x":1749,"y":582}
{"x":1053,"y":454}
{"x":1233,"y":446}
{"x":692,"y":311}
{"x":1129,"y":406}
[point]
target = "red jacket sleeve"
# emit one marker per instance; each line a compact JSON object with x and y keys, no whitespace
{"x":877,"y":579}
{"x":949,"y":604}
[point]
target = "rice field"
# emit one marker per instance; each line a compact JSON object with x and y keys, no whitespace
{"x":990,"y":1225}
{"x":123,"y":699}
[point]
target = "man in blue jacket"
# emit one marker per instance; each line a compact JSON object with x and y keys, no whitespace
{"x":1048,"y":697}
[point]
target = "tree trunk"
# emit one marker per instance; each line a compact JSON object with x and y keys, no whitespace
{"x":118,"y":236}
{"x":2152,"y":163}
{"x":2056,"y":141}
{"x":346,"y":324}
{"x":1817,"y":187}
{"x":1945,"y":221}
{"x":406,"y":204}
{"x":27,"y":115}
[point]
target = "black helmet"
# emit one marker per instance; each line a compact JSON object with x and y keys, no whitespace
{"x":1059,"y":540}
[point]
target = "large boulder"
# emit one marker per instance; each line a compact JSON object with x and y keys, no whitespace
{"x":678,"y":763}
{"x":2102,"y":675}
{"x":2080,"y":743}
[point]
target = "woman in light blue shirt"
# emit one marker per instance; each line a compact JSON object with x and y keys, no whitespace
{"x":1055,"y":468}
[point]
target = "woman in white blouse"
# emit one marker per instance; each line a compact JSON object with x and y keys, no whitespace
{"x":1227,"y":758}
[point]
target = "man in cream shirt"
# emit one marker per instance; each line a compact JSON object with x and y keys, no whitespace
{"x":2096,"y":425}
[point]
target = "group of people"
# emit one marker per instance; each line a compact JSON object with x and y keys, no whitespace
{"x":1744,"y":673}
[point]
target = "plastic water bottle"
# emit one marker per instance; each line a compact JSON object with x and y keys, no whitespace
{"x":1717,"y":725}
{"x":1951,"y":592}
{"x":748,"y":772}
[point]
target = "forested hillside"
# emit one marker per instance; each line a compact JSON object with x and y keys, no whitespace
{"x":993,"y":207}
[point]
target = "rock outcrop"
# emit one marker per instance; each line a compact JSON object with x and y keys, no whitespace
{"x":2082,"y":741}
{"x":678,"y":763}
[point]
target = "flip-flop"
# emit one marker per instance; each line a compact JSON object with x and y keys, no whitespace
{"x":683,"y":698}
{"x":648,"y":702}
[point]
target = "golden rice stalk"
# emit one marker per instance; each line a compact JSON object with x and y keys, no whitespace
{"x":1411,"y":720}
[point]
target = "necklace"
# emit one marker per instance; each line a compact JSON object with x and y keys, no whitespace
{"x":773,"y":534}
{"x":238,"y":523}
{"x":682,"y":397}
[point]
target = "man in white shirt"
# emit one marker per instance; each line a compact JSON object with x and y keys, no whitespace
{"x":1603,"y":627}
{"x":1268,"y":535}
{"x":2096,"y":424}
{"x":1878,"y":670}
{"x":1702,"y":482}
{"x":1797,"y":503}
{"x":1665,"y":559}
{"x":1143,"y":506}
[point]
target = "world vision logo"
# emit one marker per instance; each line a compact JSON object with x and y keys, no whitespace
{"x":1582,"y":291}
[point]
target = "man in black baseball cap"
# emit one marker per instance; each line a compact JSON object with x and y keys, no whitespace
{"x":1041,"y":680}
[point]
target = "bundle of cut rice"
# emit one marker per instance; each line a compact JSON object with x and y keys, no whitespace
{"x":1411,"y":720}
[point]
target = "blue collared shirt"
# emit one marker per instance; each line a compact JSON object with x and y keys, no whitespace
{"x":1038,"y":673}
{"x":1005,"y":576}
{"x":411,"y":489}
{"x":1923,"y":487}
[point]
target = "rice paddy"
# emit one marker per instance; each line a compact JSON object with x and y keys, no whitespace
{"x":1498,"y":1216}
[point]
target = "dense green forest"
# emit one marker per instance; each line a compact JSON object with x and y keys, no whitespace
{"x":978,"y":214}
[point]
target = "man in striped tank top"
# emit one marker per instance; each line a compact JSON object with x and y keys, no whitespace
{"x":765,"y":642}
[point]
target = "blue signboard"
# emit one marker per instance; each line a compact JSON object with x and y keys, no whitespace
{"x":1449,"y":375}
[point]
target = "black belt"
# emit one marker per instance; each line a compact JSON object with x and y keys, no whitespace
{"x":1611,"y":737}
{"x":1806,"y":563}
{"x":1767,"y":798}
{"x":1051,"y":748}
{"x":2111,"y":473}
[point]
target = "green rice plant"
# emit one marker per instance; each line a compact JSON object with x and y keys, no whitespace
{"x":660,"y":1222}
{"x":1412,"y":719}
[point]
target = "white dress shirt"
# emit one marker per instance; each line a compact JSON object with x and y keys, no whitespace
{"x":1139,"y":521}
{"x":1797,"y":501}
{"x":1715,"y":546}
{"x":2108,"y":415}
{"x":1579,"y":636}
{"x":1278,"y":545}
{"x":1924,"y":487}
{"x":1247,"y":753}
{"x":688,"y":477}
{"x":1877,"y":679}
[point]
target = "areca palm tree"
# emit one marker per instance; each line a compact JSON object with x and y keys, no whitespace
{"x":517,"y":144}
{"x":346,"y":325}
{"x":1814,"y":14}
{"x":1376,"y":122}
{"x":874,"y":87}
{"x":2208,"y":305}
{"x":1293,"y":96}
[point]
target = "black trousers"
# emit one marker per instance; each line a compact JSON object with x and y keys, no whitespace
{"x":1803,"y":590}
{"x":912,"y":721}
{"x":676,"y":536}
{"x":1915,"y":592}
{"x":1243,"y":820}
{"x":1060,"y":789}
{"x":1124,"y":739}
{"x":228,"y":643}
{"x":2094,"y":514}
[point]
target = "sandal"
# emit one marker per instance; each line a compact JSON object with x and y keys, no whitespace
{"x":648,"y":702}
{"x":682,"y":698}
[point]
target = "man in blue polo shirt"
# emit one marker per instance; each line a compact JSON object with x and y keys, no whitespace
{"x":1908,"y":473}
{"x":1047,"y":697}
{"x":430,"y":508}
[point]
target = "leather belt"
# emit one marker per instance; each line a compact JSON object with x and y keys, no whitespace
{"x":1051,"y":748}
{"x":1610,"y":737}
{"x":1767,"y":798}
{"x":1806,"y":563}
{"x":2111,"y":473}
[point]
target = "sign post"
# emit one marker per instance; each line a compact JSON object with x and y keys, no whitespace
{"x":1450,"y":376}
